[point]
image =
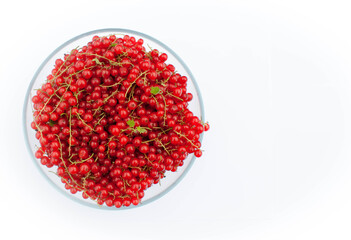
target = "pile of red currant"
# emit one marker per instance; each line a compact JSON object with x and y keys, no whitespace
{"x":113,"y":117}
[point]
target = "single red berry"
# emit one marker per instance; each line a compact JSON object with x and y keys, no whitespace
{"x":118,"y":203}
{"x":87,"y":74}
{"x":206,"y":126}
{"x":198,"y":153}
{"x":144,"y":148}
{"x":163,"y":57}
{"x":114,"y":130}
{"x":73,"y":169}
{"x":81,"y":83}
{"x":84,"y":168}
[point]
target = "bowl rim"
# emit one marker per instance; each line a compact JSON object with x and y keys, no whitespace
{"x":26,"y":101}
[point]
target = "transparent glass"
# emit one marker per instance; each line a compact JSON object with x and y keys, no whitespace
{"x":196,"y":105}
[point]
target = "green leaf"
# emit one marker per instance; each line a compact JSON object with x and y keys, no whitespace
{"x":113,"y":44}
{"x":131,"y":123}
{"x":155,"y":90}
{"x":52,"y":123}
{"x":140,"y":129}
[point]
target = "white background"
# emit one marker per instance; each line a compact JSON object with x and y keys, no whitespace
{"x":276,"y":82}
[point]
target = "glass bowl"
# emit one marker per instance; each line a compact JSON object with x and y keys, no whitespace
{"x":171,"y":179}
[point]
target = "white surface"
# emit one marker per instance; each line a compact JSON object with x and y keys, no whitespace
{"x":276,"y":82}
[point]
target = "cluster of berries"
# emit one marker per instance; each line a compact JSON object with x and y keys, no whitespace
{"x":114,"y":118}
